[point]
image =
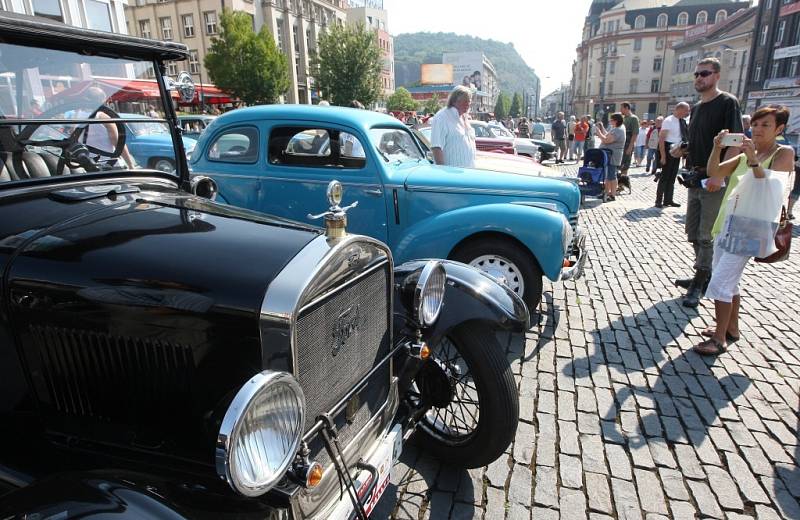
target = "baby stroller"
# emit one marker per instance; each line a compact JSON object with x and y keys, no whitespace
{"x":592,"y":174}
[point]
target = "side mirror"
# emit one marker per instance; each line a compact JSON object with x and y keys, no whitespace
{"x":205,"y":187}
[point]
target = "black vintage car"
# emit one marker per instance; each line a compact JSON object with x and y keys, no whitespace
{"x":163,"y":355}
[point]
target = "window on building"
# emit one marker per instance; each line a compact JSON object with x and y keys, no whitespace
{"x":769,"y":4}
{"x":779,"y":34}
{"x":295,"y":32}
{"x":610,"y":87}
{"x":720,"y":16}
{"x":639,"y":22}
{"x":48,"y":9}
{"x":659,"y":43}
{"x":603,"y":67}
{"x":655,"y":85}
{"x":279,"y":34}
{"x":701,"y":18}
{"x":797,"y":34}
{"x":166,"y":27}
{"x":194,"y":62}
{"x":633,"y":88}
{"x":683,"y":19}
{"x":188,"y":25}
{"x":210,"y":18}
{"x":657,"y":64}
{"x":144,"y":28}
{"x":309,"y":47}
{"x":172,"y":68}
{"x":757,"y":72}
{"x":776,"y":65}
{"x":612,"y":67}
{"x":637,"y":44}
{"x":98,"y":14}
{"x":662,"y":20}
{"x":764,"y":31}
{"x":635,"y":65}
{"x":793,"y":68}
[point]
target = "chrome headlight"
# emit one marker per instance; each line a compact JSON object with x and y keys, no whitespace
{"x":429,"y":293}
{"x":261,"y":432}
{"x":566,"y":233}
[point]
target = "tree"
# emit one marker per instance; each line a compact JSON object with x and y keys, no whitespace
{"x":502,"y":106}
{"x":347,"y":65}
{"x":432,"y":105}
{"x":516,"y":105}
{"x":401,"y":100}
{"x":245,"y":64}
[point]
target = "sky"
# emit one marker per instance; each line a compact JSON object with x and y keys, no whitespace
{"x":544,"y":32}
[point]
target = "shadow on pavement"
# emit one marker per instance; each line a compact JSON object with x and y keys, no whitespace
{"x":636,"y":215}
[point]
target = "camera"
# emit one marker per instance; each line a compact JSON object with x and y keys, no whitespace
{"x":691,"y":178}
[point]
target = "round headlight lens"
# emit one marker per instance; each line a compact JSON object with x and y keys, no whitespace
{"x":429,"y":293}
{"x":261,"y":432}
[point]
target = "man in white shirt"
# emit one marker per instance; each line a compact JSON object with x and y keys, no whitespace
{"x":452,"y":137}
{"x":669,"y":135}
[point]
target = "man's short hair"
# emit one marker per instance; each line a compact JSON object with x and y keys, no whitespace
{"x":625,"y":104}
{"x":683,"y":104}
{"x":714,"y":62}
{"x":780,"y":112}
{"x":457,"y":93}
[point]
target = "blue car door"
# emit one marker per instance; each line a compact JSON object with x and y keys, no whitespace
{"x":235,"y":160}
{"x":302,"y":158}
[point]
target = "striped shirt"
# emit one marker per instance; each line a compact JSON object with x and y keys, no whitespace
{"x":454,"y":135}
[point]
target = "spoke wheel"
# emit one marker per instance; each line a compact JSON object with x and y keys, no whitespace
{"x":478,"y":422}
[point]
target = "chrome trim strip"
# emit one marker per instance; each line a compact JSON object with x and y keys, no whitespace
{"x":374,"y":267}
{"x":25,"y":190}
{"x":301,"y":181}
{"x":481,"y":191}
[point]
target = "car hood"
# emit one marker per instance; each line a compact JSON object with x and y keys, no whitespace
{"x":162,"y":140}
{"x":514,"y":186}
{"x":140,"y":311}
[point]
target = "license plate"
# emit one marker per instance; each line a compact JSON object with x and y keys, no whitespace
{"x":382,"y":459}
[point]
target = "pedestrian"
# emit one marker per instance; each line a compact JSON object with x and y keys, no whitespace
{"x":673,"y":132}
{"x":759,"y":153}
{"x":538,"y":129}
{"x":652,"y":145}
{"x":571,"y":137}
{"x":641,"y":143}
{"x":589,"y":144}
{"x":795,"y":194}
{"x":558,"y":131}
{"x":614,"y":139}
{"x":452,"y":137}
{"x":581,"y":133}
{"x":631,"y":122}
{"x":746,"y":126}
{"x":716,"y":111}
{"x":523,"y":130}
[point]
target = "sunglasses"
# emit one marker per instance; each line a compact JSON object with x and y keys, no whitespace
{"x":703,"y":74}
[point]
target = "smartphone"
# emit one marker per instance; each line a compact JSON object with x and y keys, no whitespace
{"x":704,"y":182}
{"x":733,"y":140}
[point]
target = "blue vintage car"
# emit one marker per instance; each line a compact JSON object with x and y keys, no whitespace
{"x":278,"y":159}
{"x":151,"y":144}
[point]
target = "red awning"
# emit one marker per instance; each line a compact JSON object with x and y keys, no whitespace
{"x":212,"y":95}
{"x":118,"y":89}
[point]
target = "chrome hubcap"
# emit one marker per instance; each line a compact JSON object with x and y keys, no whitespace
{"x":502,"y":270}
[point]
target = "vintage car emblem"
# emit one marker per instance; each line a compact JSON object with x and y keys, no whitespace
{"x":344,"y":327}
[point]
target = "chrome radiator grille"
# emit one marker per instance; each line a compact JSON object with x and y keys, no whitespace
{"x":340,"y":338}
{"x":107,"y":377}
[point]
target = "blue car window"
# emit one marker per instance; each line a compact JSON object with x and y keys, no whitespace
{"x":235,"y":145}
{"x":315,"y":147}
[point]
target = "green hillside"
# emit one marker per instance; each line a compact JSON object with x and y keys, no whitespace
{"x":413,"y":49}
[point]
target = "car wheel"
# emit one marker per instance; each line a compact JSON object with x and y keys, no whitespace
{"x":476,"y":406}
{"x":507,"y":264}
{"x":165,"y":165}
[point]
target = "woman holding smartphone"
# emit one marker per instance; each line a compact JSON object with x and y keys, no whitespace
{"x":614,"y":139}
{"x":759,"y":153}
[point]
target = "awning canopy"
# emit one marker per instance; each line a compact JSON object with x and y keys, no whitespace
{"x":132,"y":90}
{"x":212,"y":95}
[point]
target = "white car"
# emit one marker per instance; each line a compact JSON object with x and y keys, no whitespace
{"x":524,"y":146}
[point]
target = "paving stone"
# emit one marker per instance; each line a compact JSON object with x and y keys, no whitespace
{"x":705,"y":499}
{"x":547,"y":402}
{"x":740,"y":432}
{"x":682,"y":510}
{"x":540,"y":513}
{"x":545,"y":492}
{"x":781,"y":433}
{"x":518,"y":511}
{"x":672,"y":481}
{"x":606,"y":406}
{"x":519,"y":488}
{"x":721,"y":439}
{"x":722,"y":485}
{"x":573,"y":504}
{"x":618,"y":461}
{"x":651,"y":495}
{"x":661,"y":453}
{"x":781,"y":498}
{"x":766,"y":513}
{"x":790,"y":475}
{"x":612,"y":432}
{"x":566,"y":406}
{"x":571,"y":471}
{"x":704,"y":447}
{"x":745,"y":480}
{"x":588,"y":423}
{"x":772,"y":448}
{"x":586,"y":400}
{"x":640,"y":452}
{"x":568,"y":438}
{"x":524,"y":443}
{"x":687,"y":461}
{"x":758,"y":461}
{"x":497,"y":472}
{"x":626,"y":500}
{"x":495,"y":504}
{"x":593,"y":455}
{"x":546,"y":440}
{"x":598,"y":492}
{"x":470,"y":487}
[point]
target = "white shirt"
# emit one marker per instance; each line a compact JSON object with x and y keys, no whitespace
{"x":453,"y":134}
{"x":671,"y":129}
{"x":641,"y":137}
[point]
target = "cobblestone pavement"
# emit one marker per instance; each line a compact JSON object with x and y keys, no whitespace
{"x":619,"y":419}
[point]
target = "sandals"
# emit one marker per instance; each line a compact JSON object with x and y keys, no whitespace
{"x":710,"y":347}
{"x":709,"y":333}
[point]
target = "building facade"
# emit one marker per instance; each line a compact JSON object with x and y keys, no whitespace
{"x":373,"y":16}
{"x":729,"y":41}
{"x":557,"y":101}
{"x":473,"y":69}
{"x":295,"y":25}
{"x":626,"y":52}
{"x":774,"y":75}
{"x":101,"y":15}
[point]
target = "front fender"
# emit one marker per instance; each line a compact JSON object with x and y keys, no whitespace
{"x":127,"y":495}
{"x":539,"y":229}
{"x":470,"y":295}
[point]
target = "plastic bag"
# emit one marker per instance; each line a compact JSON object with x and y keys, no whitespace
{"x":753,"y":211}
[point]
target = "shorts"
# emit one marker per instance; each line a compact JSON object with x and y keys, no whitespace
{"x":726,"y":272}
{"x":611,"y":172}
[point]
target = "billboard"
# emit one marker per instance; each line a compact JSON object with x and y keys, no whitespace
{"x":436,"y":74}
{"x":467,"y":68}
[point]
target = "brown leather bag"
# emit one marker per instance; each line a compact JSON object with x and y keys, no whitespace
{"x":783,"y":241}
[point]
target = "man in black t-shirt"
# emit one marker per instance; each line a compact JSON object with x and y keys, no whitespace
{"x":716,"y":111}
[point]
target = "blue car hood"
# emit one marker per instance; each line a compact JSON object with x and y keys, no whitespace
{"x":513,"y":186}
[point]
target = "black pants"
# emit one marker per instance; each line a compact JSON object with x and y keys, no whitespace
{"x":666,"y":184}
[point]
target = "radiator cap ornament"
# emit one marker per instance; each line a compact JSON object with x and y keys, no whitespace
{"x":336,"y":216}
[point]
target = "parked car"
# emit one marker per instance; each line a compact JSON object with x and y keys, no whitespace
{"x":521,"y":145}
{"x":544,"y":149}
{"x":484,"y":141}
{"x":150,"y":143}
{"x":194,"y":124}
{"x":514,"y":227}
{"x":167,"y":356}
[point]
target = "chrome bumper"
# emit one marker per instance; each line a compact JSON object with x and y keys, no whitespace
{"x":579,"y":252}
